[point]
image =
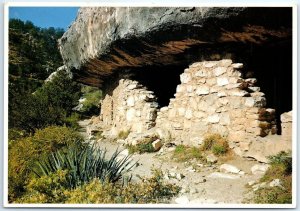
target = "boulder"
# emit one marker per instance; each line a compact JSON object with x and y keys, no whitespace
{"x":157,"y":144}
{"x":259,"y":169}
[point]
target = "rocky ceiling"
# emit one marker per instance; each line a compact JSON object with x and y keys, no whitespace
{"x":104,"y":40}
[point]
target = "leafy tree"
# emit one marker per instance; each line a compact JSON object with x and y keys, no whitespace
{"x":50,"y":105}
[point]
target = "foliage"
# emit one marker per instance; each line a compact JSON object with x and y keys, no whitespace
{"x":184,"y":153}
{"x":46,"y":189}
{"x":92,"y":96}
{"x":14,"y":134}
{"x":51,"y":104}
{"x":33,"y":51}
{"x":143,"y":146}
{"x":84,"y":164}
{"x":282,"y":159}
{"x":24,"y":152}
{"x":281,"y":168}
{"x":123,"y":134}
{"x":149,"y":190}
{"x":216,"y":143}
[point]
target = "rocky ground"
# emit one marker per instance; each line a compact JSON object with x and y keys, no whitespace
{"x":226,"y":181}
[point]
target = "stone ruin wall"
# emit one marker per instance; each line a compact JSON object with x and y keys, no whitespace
{"x":212,"y":98}
{"x":129,"y":107}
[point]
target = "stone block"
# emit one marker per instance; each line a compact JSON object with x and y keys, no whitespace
{"x":219,"y":129}
{"x":180,"y":89}
{"x":157,"y":144}
{"x":236,"y":102}
{"x":224,"y":119}
{"x":259,"y":169}
{"x":222,"y":81}
{"x":199,"y":114}
{"x":251,"y":80}
{"x":201,"y":73}
{"x":237,"y":136}
{"x":185,"y":78}
{"x":202,"y":90}
{"x":181,"y":111}
{"x":237,"y":65}
{"x":188,"y":114}
{"x":211,"y":81}
{"x":187,"y":124}
{"x":254,"y":88}
{"x":225,"y":62}
{"x":286,"y":117}
{"x":213,"y":118}
{"x":172,"y":113}
{"x":130,"y":115}
{"x":222,"y":94}
{"x":238,"y":93}
{"x":190,"y":88}
{"x":219,"y":71}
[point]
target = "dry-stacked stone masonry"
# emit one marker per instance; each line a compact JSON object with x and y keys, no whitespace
{"x":123,"y":50}
{"x":213,"y":97}
{"x":129,"y":107}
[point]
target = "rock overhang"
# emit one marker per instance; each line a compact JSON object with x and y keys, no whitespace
{"x":104,"y":40}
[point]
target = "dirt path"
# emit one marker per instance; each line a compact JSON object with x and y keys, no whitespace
{"x":200,"y":183}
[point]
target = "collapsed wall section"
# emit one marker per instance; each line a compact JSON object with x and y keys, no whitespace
{"x":214,"y":98}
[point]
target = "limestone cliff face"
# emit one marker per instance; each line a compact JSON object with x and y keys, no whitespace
{"x":103,"y":40}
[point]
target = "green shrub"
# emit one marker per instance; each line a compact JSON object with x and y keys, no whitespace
{"x":150,"y":190}
{"x":123,"y":134}
{"x":46,"y":189}
{"x":281,"y":168}
{"x":216,"y":143}
{"x":72,"y":120}
{"x":90,"y":106}
{"x":84,"y":164}
{"x":24,"y":152}
{"x":140,"y":148}
{"x":52,"y":189}
{"x":14,"y":134}
{"x":143,"y":146}
{"x":184,"y":153}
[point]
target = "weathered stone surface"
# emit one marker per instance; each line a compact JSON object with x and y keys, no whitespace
{"x":222,"y":81}
{"x":227,"y":168}
{"x":259,"y":169}
{"x":157,"y":144}
{"x":202,"y":90}
{"x":237,"y":65}
{"x":103,"y":40}
{"x":275,"y":183}
{"x":211,"y":158}
{"x":219,"y":71}
{"x":223,"y":175}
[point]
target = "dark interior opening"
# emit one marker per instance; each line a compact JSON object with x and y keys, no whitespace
{"x":162,"y":80}
{"x":271,"y":64}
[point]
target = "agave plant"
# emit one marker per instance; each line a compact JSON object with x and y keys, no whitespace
{"x":85,"y":164}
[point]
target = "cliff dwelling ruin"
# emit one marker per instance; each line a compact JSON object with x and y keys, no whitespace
{"x":187,"y":72}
